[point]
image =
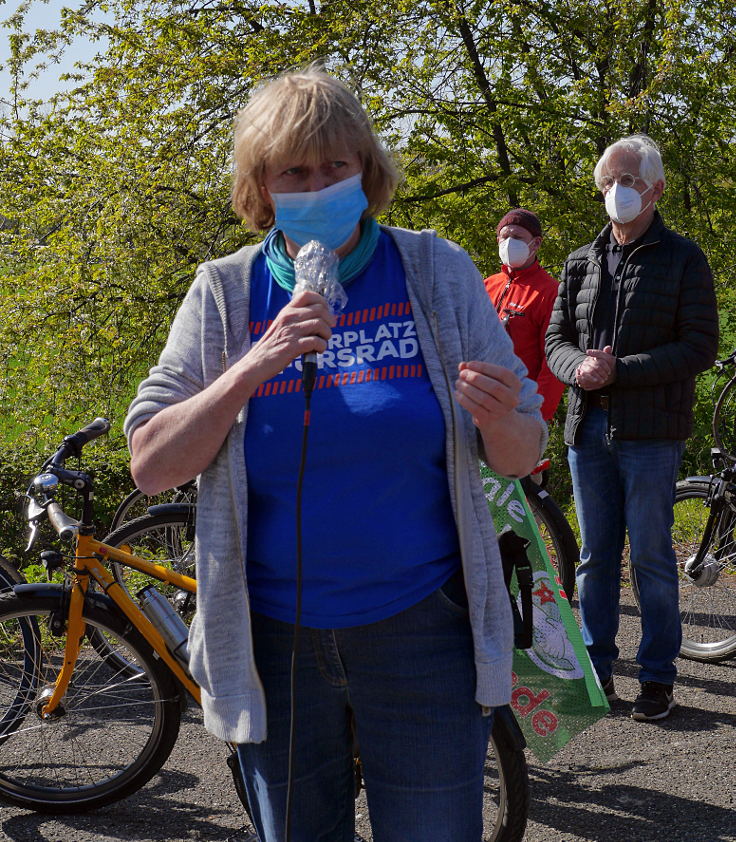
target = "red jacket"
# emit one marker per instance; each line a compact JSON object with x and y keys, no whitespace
{"x":523,"y":299}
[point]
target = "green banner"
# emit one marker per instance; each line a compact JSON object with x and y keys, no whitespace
{"x":556,"y":693}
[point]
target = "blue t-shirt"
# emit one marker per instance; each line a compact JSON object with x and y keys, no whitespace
{"x":378,"y":534}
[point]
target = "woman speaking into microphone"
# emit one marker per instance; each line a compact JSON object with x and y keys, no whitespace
{"x":406,"y":626}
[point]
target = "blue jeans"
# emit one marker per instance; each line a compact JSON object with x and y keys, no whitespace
{"x":409,"y":683}
{"x":620,"y":485}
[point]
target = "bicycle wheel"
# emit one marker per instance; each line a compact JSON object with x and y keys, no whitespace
{"x":707,"y":604}
{"x":111,"y":734}
{"x":167,"y":540}
{"x":9,"y":575}
{"x":724,"y":420}
{"x":557,"y":535}
{"x":18,"y":677}
{"x":136,"y":504}
{"x":506,"y":799}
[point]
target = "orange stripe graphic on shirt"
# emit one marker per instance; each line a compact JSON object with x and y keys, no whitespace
{"x":366,"y":354}
{"x":368,"y":314}
{"x":257,"y":328}
{"x":345,"y":378}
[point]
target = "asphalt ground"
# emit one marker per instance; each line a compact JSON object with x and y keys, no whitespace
{"x":619,"y":781}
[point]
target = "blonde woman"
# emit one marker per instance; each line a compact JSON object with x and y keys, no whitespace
{"x":407,"y":628}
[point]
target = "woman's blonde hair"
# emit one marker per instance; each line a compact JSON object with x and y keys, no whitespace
{"x":305,"y":117}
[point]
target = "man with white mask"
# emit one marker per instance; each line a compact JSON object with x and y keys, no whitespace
{"x":634,"y":322}
{"x":523,"y":294}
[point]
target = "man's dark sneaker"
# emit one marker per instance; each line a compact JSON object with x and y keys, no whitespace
{"x":610,"y":690}
{"x":654,"y":702}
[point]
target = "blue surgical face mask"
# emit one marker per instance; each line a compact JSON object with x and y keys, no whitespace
{"x":328,"y":216}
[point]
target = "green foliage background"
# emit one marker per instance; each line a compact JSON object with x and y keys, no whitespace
{"x":113,"y":191}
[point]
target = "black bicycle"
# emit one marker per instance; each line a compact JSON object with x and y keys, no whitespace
{"x":704,"y":539}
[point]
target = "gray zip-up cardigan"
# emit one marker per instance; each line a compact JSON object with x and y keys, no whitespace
{"x":455,"y":322}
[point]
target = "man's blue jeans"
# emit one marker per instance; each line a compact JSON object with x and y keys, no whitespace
{"x":620,"y":485}
{"x":410,"y":683}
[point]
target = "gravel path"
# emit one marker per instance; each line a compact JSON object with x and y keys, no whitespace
{"x":620,"y":781}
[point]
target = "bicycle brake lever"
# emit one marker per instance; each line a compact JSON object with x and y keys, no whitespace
{"x":34,"y":512}
{"x":33,"y":534}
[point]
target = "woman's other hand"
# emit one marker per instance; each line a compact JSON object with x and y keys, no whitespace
{"x":491,"y":394}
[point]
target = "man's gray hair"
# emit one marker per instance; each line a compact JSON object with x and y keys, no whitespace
{"x":651,"y":169}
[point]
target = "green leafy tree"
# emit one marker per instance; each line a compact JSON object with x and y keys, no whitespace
{"x":118,"y":186}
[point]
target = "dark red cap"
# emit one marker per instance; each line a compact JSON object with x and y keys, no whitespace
{"x":524,"y":218}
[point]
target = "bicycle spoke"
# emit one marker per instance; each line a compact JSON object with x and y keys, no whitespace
{"x":708,"y":603}
{"x":104,"y":734}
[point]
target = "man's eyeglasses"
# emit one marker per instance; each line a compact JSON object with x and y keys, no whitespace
{"x":625,"y":180}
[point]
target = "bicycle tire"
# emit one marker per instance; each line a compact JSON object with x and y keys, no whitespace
{"x":9,"y":575}
{"x":557,"y":535}
{"x":12,"y":708}
{"x":113,"y":731}
{"x":707,"y":611}
{"x":136,"y":504}
{"x":724,"y":420}
{"x":168,"y":540}
{"x":506,"y":782}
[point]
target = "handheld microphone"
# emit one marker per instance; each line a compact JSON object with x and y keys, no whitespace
{"x":315,"y":270}
{"x":309,"y":371}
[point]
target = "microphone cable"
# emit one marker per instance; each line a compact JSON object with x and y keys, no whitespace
{"x":309,"y":373}
{"x":315,"y":270}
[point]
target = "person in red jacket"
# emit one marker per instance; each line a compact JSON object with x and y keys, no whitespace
{"x":523,"y":294}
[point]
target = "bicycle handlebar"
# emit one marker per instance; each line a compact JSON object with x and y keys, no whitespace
{"x":730,"y":360}
{"x":66,"y":526}
{"x":73,"y":444}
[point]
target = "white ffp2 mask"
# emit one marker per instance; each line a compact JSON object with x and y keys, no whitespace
{"x":513,"y":252}
{"x":623,"y":204}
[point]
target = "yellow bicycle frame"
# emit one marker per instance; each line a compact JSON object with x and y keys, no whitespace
{"x":89,"y":556}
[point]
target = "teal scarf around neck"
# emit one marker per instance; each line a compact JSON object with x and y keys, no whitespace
{"x":281,"y":265}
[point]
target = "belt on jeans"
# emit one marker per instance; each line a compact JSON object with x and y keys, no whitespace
{"x":597,"y":399}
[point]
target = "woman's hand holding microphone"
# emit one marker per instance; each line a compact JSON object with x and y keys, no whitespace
{"x":303,"y":325}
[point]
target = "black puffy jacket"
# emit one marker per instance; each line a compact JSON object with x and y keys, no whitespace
{"x":665,"y":333}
